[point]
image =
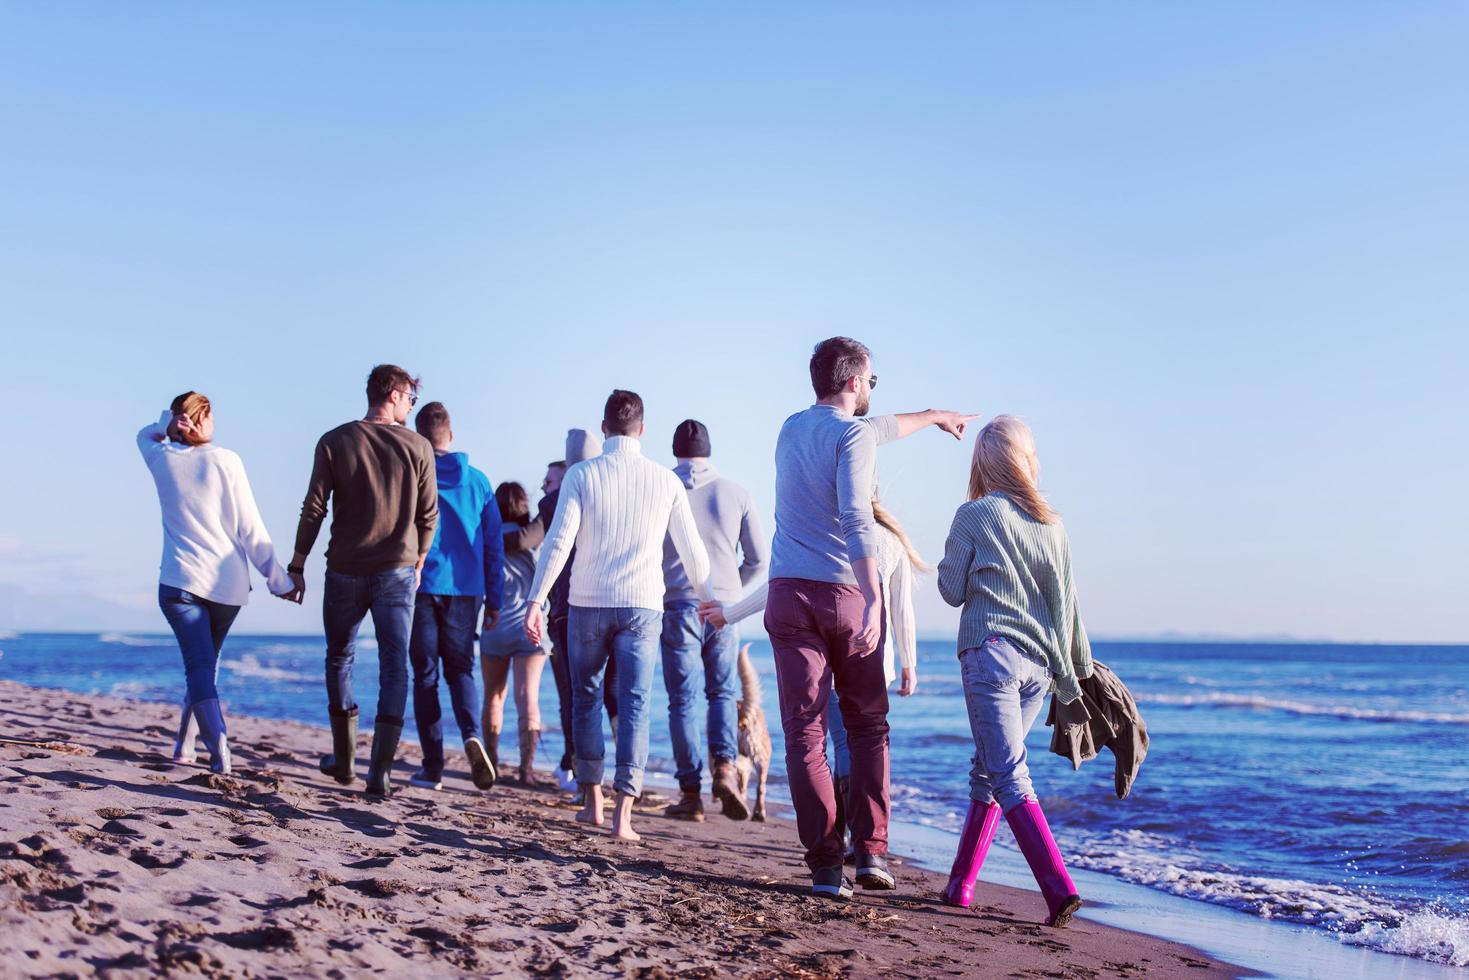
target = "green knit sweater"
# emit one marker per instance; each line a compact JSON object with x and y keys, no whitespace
{"x":1012,"y":575}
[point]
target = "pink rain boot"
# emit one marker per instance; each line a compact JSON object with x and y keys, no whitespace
{"x":980,"y":825}
{"x":1033,"y":835}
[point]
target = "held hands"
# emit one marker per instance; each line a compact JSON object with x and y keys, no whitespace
{"x":711,"y":613}
{"x":298,"y":589}
{"x":909,"y":682}
{"x":492,"y":616}
{"x":534,"y":622}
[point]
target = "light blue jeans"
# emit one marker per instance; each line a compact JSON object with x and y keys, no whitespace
{"x":689,"y":649}
{"x":1004,"y":691}
{"x":629,"y":637}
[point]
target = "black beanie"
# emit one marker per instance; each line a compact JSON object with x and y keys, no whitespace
{"x":690,"y":440}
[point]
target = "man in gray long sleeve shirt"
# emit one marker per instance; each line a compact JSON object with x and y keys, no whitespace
{"x":729,"y":527}
{"x":825,"y":612}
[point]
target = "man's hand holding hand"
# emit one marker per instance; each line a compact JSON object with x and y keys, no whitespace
{"x":712,"y":614}
{"x":492,"y":616}
{"x":534,"y":623}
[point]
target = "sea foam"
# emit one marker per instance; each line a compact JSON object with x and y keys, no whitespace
{"x":1226,"y":699}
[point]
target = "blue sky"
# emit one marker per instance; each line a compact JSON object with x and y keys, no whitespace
{"x":1214,"y":254}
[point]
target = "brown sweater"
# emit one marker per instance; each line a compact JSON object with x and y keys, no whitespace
{"x":384,"y":497}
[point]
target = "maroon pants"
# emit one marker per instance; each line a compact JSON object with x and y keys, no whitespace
{"x":813,"y":627}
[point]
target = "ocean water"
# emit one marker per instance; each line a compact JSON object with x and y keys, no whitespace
{"x":1321,"y":786}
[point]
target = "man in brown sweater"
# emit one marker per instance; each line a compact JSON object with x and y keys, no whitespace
{"x":379,"y":477}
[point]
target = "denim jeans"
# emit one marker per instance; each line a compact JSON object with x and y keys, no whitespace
{"x":1004,"y":691}
{"x":690,"y":648}
{"x":841,"y":759}
{"x":345,"y":601}
{"x":200,"y":627}
{"x":561,"y":673}
{"x":443,"y":631}
{"x":629,"y":638}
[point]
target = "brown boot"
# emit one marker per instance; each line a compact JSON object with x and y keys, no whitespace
{"x":528,"y":739}
{"x":690,"y":806}
{"x":727,"y":791}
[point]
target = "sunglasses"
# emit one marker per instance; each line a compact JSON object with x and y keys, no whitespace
{"x":412,"y":396}
{"x":872,"y":381}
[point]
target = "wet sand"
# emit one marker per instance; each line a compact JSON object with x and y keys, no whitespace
{"x":113,"y":860}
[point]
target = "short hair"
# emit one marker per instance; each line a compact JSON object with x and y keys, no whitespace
{"x":624,"y":413}
{"x":834,"y":362}
{"x":433,"y":422}
{"x":556,"y":464}
{"x":514,"y":502}
{"x":385,"y":379}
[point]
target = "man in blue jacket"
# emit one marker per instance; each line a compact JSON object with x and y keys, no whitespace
{"x":464,"y":565}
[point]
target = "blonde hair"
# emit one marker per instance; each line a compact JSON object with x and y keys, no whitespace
{"x":1004,"y":461}
{"x":887,"y":520}
{"x":196,"y":407}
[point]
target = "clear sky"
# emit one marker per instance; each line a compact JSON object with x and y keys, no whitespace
{"x":1215,"y":255}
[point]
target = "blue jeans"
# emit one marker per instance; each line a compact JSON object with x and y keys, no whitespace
{"x":629,"y":638}
{"x":200,"y":627}
{"x":841,"y":759}
{"x":689,"y":648}
{"x":346,"y":600}
{"x":443,"y":631}
{"x":561,"y":673}
{"x":1004,"y":691}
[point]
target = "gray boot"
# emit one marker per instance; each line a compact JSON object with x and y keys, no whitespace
{"x":211,"y":726}
{"x":341,"y":765}
{"x":384,"y":751}
{"x":183,"y":746}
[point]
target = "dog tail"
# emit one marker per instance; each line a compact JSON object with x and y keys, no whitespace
{"x":749,"y":680}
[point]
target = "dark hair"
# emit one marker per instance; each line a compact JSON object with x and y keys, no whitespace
{"x":624,"y":413}
{"x":556,"y":463}
{"x":433,"y":422}
{"x":514,"y":502}
{"x":834,"y":362}
{"x":386,"y":379}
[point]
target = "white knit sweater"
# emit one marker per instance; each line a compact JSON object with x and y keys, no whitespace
{"x":896,"y":572}
{"x":616,"y":509}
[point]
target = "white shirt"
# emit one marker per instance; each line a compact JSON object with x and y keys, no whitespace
{"x":896,"y":573}
{"x":212,"y":531}
{"x":617,"y":509}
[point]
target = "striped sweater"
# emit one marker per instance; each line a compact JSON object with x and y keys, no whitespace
{"x":1012,"y":575}
{"x":616,"y":509}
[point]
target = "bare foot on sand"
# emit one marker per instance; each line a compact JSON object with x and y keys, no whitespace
{"x":622,"y":819}
{"x":591,"y":809}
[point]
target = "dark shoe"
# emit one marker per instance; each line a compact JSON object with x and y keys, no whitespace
{"x":341,"y":765}
{"x":384,"y":751}
{"x":831,"y":883}
{"x":690,"y":806}
{"x":727,"y":791}
{"x":211,"y":726}
{"x":873,"y":873}
{"x":426,"y":780}
{"x":481,"y":768}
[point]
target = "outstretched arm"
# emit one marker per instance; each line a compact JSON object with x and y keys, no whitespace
{"x":953,"y":423}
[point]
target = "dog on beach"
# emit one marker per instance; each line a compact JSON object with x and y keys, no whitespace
{"x":754,"y":735}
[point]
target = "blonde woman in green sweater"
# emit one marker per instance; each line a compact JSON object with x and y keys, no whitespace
{"x":1008,"y":563}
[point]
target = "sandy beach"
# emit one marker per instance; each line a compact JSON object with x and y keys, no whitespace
{"x":114,"y":860}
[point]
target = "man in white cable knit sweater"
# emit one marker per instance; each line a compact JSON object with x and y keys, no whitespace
{"x":617,"y":509}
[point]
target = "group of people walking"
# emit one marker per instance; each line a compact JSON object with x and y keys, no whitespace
{"x":625,"y":564}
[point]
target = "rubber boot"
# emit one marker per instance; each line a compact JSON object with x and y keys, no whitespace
{"x":528,"y":739}
{"x":841,"y":786}
{"x":384,"y":750}
{"x":341,"y":765}
{"x":1033,"y":835}
{"x":211,"y":726}
{"x":980,"y":824}
{"x":727,"y":790}
{"x":183,"y":745}
{"x":690,"y":806}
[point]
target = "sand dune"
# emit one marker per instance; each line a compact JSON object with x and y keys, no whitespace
{"x":113,"y":860}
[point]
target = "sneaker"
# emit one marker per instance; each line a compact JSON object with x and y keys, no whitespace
{"x":481,"y":769}
{"x":426,"y":780}
{"x":831,"y":883}
{"x":566,"y":780}
{"x":873,"y":873}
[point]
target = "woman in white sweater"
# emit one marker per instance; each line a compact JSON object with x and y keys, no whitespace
{"x":897,"y":560}
{"x":212,"y":534}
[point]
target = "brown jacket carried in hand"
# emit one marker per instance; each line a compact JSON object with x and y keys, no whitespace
{"x":1105,"y":716}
